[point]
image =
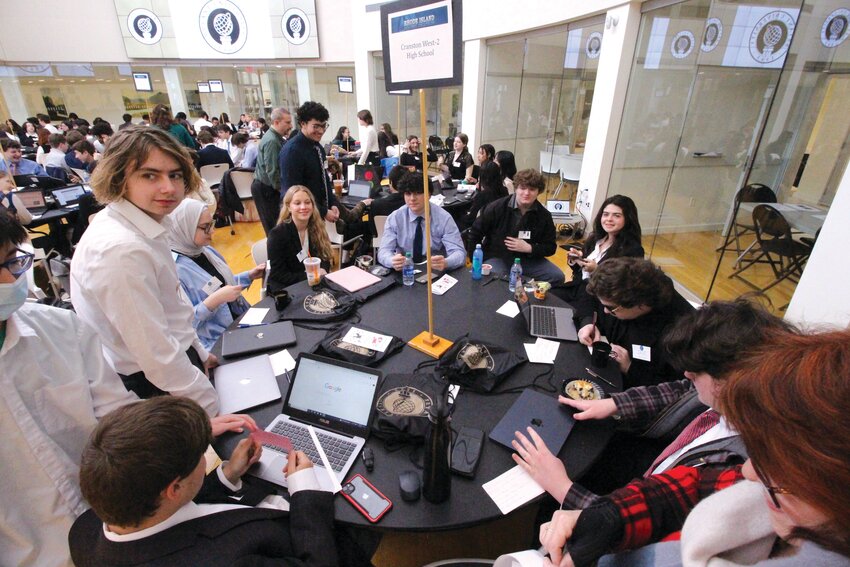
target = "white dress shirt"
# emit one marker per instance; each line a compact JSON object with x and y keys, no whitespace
{"x":54,"y":384}
{"x":368,"y":142}
{"x":124,"y":284}
{"x":56,"y":158}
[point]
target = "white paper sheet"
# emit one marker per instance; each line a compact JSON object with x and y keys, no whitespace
{"x":282,"y":362}
{"x":512,"y":489}
{"x":543,"y":351}
{"x":527,"y":558}
{"x":254,"y":316}
{"x":443,"y":285}
{"x":367,"y":339}
{"x":509,"y":309}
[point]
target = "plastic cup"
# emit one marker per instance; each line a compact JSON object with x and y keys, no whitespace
{"x":486,"y":269}
{"x":338,"y":183}
{"x":311,"y":266}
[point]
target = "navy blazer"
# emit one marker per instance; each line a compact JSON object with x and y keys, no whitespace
{"x":212,"y":154}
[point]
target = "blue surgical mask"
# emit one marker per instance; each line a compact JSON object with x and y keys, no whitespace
{"x":12,"y":296}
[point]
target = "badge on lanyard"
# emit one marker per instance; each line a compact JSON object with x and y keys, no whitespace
{"x":524,"y":235}
{"x":212,"y":286}
{"x":301,"y":256}
{"x":640,"y":352}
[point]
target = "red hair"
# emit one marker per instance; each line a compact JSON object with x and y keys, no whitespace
{"x":790,"y":400}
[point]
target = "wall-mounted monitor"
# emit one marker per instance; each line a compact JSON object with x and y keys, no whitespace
{"x":345,"y":84}
{"x":216,"y":86}
{"x":203,"y":87}
{"x":142,"y":82}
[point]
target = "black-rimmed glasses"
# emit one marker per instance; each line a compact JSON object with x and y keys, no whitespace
{"x":611,"y":308}
{"x":19,"y":264}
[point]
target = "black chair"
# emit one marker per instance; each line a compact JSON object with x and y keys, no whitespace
{"x":752,"y":193}
{"x":787,"y":257}
{"x":57,"y":173}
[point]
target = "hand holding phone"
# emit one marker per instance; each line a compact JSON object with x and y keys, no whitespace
{"x":368,"y":500}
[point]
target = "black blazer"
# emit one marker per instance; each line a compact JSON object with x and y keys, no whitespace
{"x":211,"y":155}
{"x":630,"y":249}
{"x":283,"y":247}
{"x":254,"y":536}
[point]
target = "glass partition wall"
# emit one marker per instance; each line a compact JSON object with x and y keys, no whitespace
{"x":722,"y":94}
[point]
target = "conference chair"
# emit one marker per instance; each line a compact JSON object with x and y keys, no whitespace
{"x":344,"y":248}
{"x":212,"y":173}
{"x":380,"y":223}
{"x":751,"y":193}
{"x":260,"y":254}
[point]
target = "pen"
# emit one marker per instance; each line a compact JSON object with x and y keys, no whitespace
{"x":241,"y":326}
{"x":595,"y":375}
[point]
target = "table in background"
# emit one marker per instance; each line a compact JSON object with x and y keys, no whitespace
{"x":469,"y":307}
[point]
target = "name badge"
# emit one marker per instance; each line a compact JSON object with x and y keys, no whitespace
{"x":301,"y":256}
{"x":456,"y":164}
{"x":212,"y":286}
{"x":524,"y":235}
{"x":640,"y":352}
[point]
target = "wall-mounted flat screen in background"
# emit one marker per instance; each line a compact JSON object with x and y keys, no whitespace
{"x":142,"y":81}
{"x":404,"y":92}
{"x":203,"y":87}
{"x":346,"y":84}
{"x":216,"y":86}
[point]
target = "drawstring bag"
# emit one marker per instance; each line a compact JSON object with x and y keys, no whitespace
{"x":320,"y":304}
{"x":477,"y":365}
{"x":401,"y":415}
{"x":334,"y":346}
{"x":367,"y":292}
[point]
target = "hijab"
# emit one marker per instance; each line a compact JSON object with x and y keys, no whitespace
{"x":181,"y":236}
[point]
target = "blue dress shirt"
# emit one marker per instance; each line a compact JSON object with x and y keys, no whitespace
{"x":401,"y":227}
{"x":26,"y":167}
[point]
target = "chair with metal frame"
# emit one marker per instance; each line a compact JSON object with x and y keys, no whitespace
{"x":751,"y":193}
{"x":338,"y":242}
{"x":787,"y":257}
{"x":213,"y":172}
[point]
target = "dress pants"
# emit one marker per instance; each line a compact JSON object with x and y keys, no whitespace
{"x":267,"y":201}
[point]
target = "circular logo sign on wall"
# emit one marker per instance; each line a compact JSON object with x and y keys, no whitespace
{"x":295,"y":26}
{"x":682,"y":44}
{"x":593,"y":45}
{"x":144,"y":26}
{"x":712,"y":34}
{"x":771,"y":36}
{"x":223,"y":26}
{"x":835,"y":28}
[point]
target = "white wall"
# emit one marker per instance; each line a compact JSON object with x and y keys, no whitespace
{"x":822,"y":296}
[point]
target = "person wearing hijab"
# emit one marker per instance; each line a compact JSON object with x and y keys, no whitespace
{"x":205,"y":277}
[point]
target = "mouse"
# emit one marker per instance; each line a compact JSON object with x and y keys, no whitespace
{"x":410,"y":485}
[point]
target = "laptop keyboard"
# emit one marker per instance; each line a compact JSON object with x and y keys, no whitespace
{"x":543,"y":321}
{"x":337,"y":450}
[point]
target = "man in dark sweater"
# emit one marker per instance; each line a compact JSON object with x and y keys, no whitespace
{"x":303,"y":160}
{"x":518,"y":226}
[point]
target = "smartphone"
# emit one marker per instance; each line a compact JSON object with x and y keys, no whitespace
{"x":423,"y":277}
{"x":366,"y":498}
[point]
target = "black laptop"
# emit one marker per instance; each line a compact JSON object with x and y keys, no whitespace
{"x":357,"y":191}
{"x":257,"y":338}
{"x":33,"y":199}
{"x":69,"y":197}
{"x":550,"y":419}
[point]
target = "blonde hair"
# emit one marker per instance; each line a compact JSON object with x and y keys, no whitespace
{"x":127,"y":151}
{"x":315,"y":226}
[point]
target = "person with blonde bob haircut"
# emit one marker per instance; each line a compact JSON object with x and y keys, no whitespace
{"x":123,"y":277}
{"x":300,"y":233}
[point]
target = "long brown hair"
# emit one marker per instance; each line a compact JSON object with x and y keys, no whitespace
{"x":790,"y":400}
{"x":315,"y":226}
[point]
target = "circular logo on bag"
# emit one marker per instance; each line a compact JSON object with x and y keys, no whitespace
{"x":144,"y":26}
{"x":322,"y":303}
{"x":712,"y":34}
{"x":593,"y":45}
{"x":362,"y":351}
{"x":835,"y":28}
{"x":771,"y":37}
{"x":682,"y":44}
{"x":295,"y":26}
{"x":475,"y":357}
{"x":223,"y":26}
{"x":405,"y":401}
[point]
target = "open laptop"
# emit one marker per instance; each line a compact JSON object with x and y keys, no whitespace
{"x":338,"y":399}
{"x":357,"y":191}
{"x":33,"y":199}
{"x":246,"y":384}
{"x":551,"y":420}
{"x":257,"y":338}
{"x":69,"y":197}
{"x":546,"y":321}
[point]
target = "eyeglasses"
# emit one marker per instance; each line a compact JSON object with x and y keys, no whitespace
{"x":611,"y":308}
{"x":19,"y":264}
{"x":772,"y":491}
{"x":207,"y":227}
{"x":319,"y":126}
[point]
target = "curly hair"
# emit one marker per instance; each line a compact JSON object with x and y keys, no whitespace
{"x":312,"y":111}
{"x":629,"y":282}
{"x":530,"y":178}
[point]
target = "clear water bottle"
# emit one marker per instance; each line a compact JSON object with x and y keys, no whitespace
{"x":437,"y":478}
{"x":407,"y":269}
{"x":516,"y":275}
{"x":477,"y":260}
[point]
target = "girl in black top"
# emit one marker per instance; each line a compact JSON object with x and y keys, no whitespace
{"x":344,"y":140}
{"x":490,"y":188}
{"x":386,"y":138}
{"x":458,"y":162}
{"x":411,"y":157}
{"x":506,"y":162}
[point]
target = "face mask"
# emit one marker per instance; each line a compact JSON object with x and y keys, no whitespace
{"x":12,"y":296}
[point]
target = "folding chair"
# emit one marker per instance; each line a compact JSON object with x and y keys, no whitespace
{"x":752,"y":193}
{"x":342,"y":246}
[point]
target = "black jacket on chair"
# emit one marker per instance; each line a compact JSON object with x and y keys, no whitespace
{"x":211,"y":155}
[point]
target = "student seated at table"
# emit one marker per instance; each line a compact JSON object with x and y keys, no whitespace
{"x":490,"y":188}
{"x":300,"y":233}
{"x":123,"y":277}
{"x":344,"y":141}
{"x":634,"y":302}
{"x":518,"y":226}
{"x":10,"y":202}
{"x":411,"y":156}
{"x":210,"y":154}
{"x":404,"y":231}
{"x":141,"y":470}
{"x":787,"y":400}
{"x":392,"y":201}
{"x":206,"y":279}
{"x":707,"y":345}
{"x":458,"y":163}
{"x":18,"y":165}
{"x":506,"y":162}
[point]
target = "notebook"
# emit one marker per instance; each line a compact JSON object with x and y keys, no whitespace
{"x":357,"y":191}
{"x":257,"y":338}
{"x":551,"y":420}
{"x":245,"y":384}
{"x":33,"y":200}
{"x":548,"y":322}
{"x":336,"y":398}
{"x":353,"y":278}
{"x":69,"y":197}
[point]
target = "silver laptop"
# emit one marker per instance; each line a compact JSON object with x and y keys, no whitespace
{"x":338,"y":399}
{"x":549,"y":322}
{"x":357,"y":191}
{"x":33,"y":200}
{"x":246,"y":384}
{"x":69,"y":197}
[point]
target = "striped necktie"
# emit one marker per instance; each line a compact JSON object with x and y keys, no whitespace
{"x":694,"y":429}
